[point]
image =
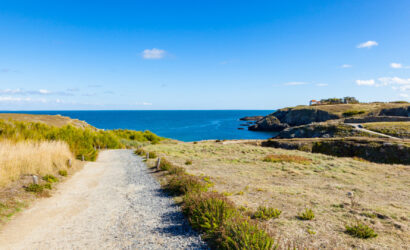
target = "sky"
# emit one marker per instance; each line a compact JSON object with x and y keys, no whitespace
{"x":160,"y":55}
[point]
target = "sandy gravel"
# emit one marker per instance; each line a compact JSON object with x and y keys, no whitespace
{"x":113,"y":203}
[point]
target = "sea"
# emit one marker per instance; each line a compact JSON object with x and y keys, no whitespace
{"x":183,"y":125}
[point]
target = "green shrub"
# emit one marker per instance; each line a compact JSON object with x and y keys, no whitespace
{"x":208,"y":212}
{"x":176,"y":170}
{"x":48,"y":186}
{"x":307,"y":215}
{"x":165,"y":165}
{"x":188,"y":162}
{"x":360,"y":230}
{"x":50,"y":178}
{"x":140,"y":152}
{"x":183,"y":184}
{"x":34,"y":188}
{"x":152,"y":155}
{"x":243,"y":234}
{"x":266,"y":213}
{"x":349,"y":113}
{"x":62,"y":172}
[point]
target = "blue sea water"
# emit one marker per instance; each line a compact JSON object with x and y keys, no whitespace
{"x":184,"y":125}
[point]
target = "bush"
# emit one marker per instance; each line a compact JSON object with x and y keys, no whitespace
{"x":50,"y":178}
{"x":243,"y":234}
{"x":350,"y":113}
{"x":266,"y":213}
{"x":188,"y":162}
{"x":183,"y":184}
{"x":208,"y":212}
{"x":62,"y":172}
{"x":287,"y":158}
{"x":140,"y":152}
{"x":360,"y":230}
{"x":165,"y":165}
{"x":48,"y":186}
{"x":176,"y":170}
{"x":307,"y":215}
{"x":34,"y":188}
{"x":152,"y":155}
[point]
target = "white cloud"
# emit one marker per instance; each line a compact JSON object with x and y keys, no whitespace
{"x":44,"y":91}
{"x":396,"y":65}
{"x":370,"y":82}
{"x":153,"y":53}
{"x":322,"y":84}
{"x":12,"y":99}
{"x":394,"y":80}
{"x":295,"y":83}
{"x":346,"y":66}
{"x":404,"y":95}
{"x":33,"y":92}
{"x":367,"y":44}
{"x":146,"y":103}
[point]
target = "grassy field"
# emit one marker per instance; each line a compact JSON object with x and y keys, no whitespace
{"x":397,"y":129}
{"x":360,"y":108}
{"x":293,"y":181}
{"x":52,"y":120}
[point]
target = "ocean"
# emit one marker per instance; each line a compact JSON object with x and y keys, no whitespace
{"x":183,"y":125}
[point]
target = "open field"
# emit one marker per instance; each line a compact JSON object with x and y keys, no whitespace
{"x":291,"y":181}
{"x":51,"y":120}
{"x":366,"y":108}
{"x":398,"y":129}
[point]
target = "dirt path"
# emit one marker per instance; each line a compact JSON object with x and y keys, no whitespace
{"x":113,"y":203}
{"x":359,"y":127}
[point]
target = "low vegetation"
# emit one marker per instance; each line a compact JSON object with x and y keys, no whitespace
{"x":30,"y":157}
{"x":81,"y":141}
{"x":350,"y":113}
{"x":360,"y":230}
{"x":266,"y":213}
{"x":306,"y":215}
{"x":397,"y":129}
{"x":337,"y":190}
{"x":221,"y":223}
{"x":287,"y":158}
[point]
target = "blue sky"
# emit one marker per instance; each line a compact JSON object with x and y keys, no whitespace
{"x":201,"y":54}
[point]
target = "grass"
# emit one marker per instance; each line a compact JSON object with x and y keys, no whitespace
{"x":360,"y":230}
{"x":50,"y":178}
{"x":62,"y":172}
{"x":287,"y":158}
{"x":353,"y":112}
{"x":84,"y":141}
{"x":397,"y":129}
{"x":222,"y":224}
{"x":322,"y":185}
{"x":266,"y":213}
{"x":29,"y":157}
{"x":34,"y":188}
{"x":306,"y":215}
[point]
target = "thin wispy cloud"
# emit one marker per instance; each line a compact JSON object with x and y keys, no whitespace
{"x":370,"y":82}
{"x":345,"y":66}
{"x":153,"y":53}
{"x":295,"y":83}
{"x":367,"y":44}
{"x":398,"y":66}
{"x":94,"y":85}
{"x":322,"y":84}
{"x":33,"y":92}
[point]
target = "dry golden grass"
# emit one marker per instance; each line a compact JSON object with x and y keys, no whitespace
{"x":27,"y":157}
{"x":398,"y":129}
{"x":339,"y":109}
{"x":287,"y":158}
{"x":52,"y":120}
{"x":381,"y":191}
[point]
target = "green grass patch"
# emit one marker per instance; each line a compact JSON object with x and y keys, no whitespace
{"x":266,"y":213}
{"x":360,"y":230}
{"x":350,"y":113}
{"x":62,"y":172}
{"x":306,"y":215}
{"x":50,"y":178}
{"x":277,"y":158}
{"x":34,"y":188}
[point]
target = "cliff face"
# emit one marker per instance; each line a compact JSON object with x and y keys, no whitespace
{"x":285,"y":118}
{"x":401,"y":111}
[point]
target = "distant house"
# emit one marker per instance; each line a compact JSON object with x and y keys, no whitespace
{"x":314,"y":102}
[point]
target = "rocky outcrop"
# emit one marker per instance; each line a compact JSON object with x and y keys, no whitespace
{"x":320,"y":130}
{"x":285,"y":118}
{"x":251,"y":118}
{"x":268,"y":123}
{"x":375,"y":150}
{"x":401,"y":111}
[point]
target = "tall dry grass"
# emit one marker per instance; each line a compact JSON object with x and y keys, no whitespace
{"x":30,"y":157}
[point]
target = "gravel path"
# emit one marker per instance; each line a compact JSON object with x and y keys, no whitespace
{"x":113,"y":203}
